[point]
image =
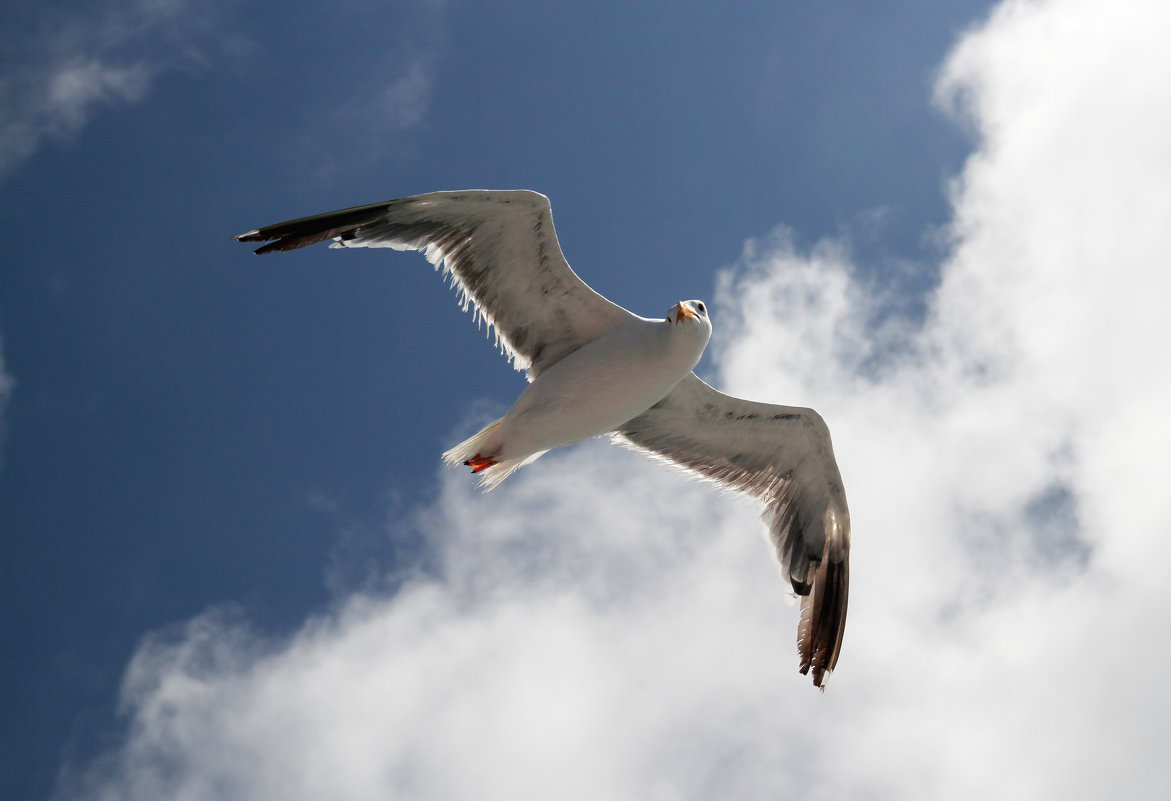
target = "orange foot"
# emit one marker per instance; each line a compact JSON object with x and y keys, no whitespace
{"x":478,"y":463}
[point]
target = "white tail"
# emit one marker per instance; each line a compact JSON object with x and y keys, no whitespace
{"x":487,"y":442}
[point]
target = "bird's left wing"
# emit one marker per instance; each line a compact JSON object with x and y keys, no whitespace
{"x":500,"y":250}
{"x":782,"y":455}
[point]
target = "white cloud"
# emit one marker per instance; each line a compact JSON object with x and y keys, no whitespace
{"x":603,"y":628}
{"x":74,"y":66}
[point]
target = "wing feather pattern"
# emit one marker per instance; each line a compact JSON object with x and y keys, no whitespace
{"x":782,"y":455}
{"x":500,"y":250}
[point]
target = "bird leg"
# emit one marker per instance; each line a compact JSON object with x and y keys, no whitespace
{"x":478,"y":463}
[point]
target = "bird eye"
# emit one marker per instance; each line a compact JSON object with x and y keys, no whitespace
{"x":700,"y":306}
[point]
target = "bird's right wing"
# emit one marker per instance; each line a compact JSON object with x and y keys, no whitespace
{"x":499,"y":248}
{"x":782,"y":455}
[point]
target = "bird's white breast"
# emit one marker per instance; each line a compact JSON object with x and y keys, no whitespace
{"x":602,"y":385}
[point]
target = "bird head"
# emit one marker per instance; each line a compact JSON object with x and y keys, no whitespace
{"x":689,"y":318}
{"x":684,"y":310}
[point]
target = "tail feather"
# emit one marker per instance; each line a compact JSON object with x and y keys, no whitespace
{"x":479,"y":452}
{"x":490,"y":477}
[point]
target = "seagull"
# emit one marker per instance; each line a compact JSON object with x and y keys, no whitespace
{"x":595,"y":368}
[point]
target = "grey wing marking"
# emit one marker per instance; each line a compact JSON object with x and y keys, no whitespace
{"x":782,"y":455}
{"x":499,"y":248}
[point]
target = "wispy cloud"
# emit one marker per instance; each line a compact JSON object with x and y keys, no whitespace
{"x":6,"y":385}
{"x":74,"y":66}
{"x":403,"y":103}
{"x":372,"y":122}
{"x":603,"y":628}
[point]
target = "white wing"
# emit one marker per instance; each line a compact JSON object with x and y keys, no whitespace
{"x":499,"y":248}
{"x":782,"y":455}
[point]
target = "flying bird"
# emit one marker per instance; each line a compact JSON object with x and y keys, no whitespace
{"x":595,"y":368}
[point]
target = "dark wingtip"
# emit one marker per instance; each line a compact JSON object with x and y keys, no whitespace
{"x":280,"y":244}
{"x":823,"y":620}
{"x":283,"y":241}
{"x":257,"y":235}
{"x":306,"y":231}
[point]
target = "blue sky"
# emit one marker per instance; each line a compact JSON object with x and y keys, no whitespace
{"x":223,"y":519}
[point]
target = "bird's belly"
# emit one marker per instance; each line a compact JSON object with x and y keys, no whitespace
{"x":592,"y":391}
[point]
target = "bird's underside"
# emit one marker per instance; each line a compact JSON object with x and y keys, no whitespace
{"x":501,"y":251}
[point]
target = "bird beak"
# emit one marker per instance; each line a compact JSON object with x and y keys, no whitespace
{"x":684,"y":311}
